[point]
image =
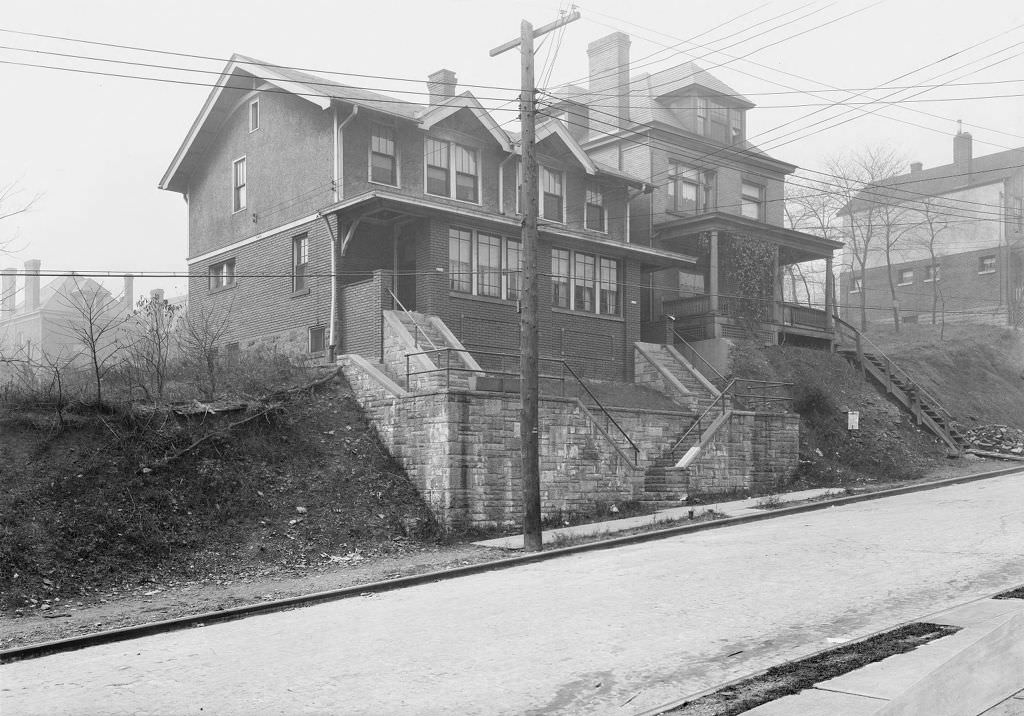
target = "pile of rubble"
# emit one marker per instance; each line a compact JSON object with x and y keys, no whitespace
{"x":996,"y":438}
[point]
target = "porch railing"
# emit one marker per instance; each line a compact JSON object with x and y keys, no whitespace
{"x":794,"y":314}
{"x":557,"y":369}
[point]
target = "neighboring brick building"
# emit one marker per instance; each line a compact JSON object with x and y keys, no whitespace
{"x":43,"y":323}
{"x":959,"y":256}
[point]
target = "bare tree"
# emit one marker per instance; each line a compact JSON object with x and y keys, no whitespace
{"x":12,"y":204}
{"x":149,"y":342}
{"x":895,"y":222}
{"x":811,"y":206}
{"x":200,"y":331}
{"x":935,"y":213}
{"x":858,"y":186}
{"x":95,"y":321}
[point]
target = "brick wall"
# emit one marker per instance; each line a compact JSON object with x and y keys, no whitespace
{"x":361,"y":305}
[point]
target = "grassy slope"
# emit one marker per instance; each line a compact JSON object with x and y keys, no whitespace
{"x":78,"y":512}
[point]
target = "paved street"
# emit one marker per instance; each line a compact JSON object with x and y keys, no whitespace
{"x":615,"y":631}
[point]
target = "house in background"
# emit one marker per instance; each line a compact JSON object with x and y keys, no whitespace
{"x":960,"y":252}
{"x":42,"y":324}
{"x":684,"y":132}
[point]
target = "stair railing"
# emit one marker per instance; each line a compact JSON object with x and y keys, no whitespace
{"x":718,"y":405}
{"x":892,"y":369}
{"x":717,"y":378}
{"x":416,"y":326}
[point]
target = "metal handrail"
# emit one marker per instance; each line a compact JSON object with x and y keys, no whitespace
{"x":558,"y":361}
{"x":695,"y":352}
{"x":893,"y":365}
{"x":696,"y":423}
{"x":413,"y":319}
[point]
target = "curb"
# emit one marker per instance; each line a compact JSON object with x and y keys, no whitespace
{"x":74,"y":643}
{"x":676,"y":703}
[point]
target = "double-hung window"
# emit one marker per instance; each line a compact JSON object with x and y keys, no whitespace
{"x":383,"y":155}
{"x":856,"y":284}
{"x":438,"y":168}
{"x":906,"y":277}
{"x":441,"y":158}
{"x":986,"y":264}
{"x":238,"y":185}
{"x":222,"y":274}
{"x":752,"y":201}
{"x":595,"y":216}
{"x":585,"y":282}
{"x":932,"y":273}
{"x":690,"y":191}
{"x":300,"y":262}
{"x":552,"y":195}
{"x":483,"y":264}
{"x":1018,"y":213}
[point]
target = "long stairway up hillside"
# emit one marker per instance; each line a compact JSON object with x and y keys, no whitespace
{"x":899,"y":385}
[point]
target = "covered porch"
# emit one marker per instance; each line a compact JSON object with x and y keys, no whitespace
{"x":736,"y":290}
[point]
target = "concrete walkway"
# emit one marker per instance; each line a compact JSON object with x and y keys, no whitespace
{"x":733,"y":508}
{"x":979,"y":671}
{"x":612,"y":631}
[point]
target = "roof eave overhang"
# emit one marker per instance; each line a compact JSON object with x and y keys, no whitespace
{"x":717,"y":221}
{"x":374,"y":201}
{"x":467,"y":101}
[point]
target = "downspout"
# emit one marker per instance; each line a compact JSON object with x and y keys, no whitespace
{"x":501,"y":182}
{"x":339,"y":155}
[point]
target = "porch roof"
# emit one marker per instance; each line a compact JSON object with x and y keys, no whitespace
{"x":384,"y":206}
{"x":799,"y":246}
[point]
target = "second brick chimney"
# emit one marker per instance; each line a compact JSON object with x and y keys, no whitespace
{"x":441,"y":86}
{"x":609,"y":79}
{"x":963,"y":152}
{"x":32,"y":267}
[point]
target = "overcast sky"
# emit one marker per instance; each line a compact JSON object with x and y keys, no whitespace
{"x":94,"y":147}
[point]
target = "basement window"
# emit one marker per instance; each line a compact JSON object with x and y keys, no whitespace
{"x":317,"y":339}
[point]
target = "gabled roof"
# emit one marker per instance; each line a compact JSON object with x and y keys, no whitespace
{"x":242,"y":74}
{"x":673,"y":80}
{"x":554,"y":128}
{"x":939,"y":181}
{"x":466,"y":100}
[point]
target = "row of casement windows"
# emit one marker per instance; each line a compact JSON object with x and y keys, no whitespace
{"x":485,"y":264}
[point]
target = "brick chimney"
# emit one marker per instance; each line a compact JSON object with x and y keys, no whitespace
{"x":32,"y":267}
{"x":441,"y":86}
{"x":963,"y":151}
{"x":129,"y":292}
{"x":7,"y":291}
{"x":157,"y":295}
{"x":916,"y":167}
{"x":609,"y":78}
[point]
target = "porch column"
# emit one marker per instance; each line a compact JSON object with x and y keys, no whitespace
{"x":713,"y":282}
{"x":830,"y":299}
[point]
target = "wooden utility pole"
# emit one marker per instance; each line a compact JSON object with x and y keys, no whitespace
{"x":528,"y":361}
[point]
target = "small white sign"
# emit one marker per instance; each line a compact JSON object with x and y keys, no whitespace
{"x":853,"y":420}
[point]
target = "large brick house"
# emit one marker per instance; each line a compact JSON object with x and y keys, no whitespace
{"x":957,"y":251}
{"x":326,"y":216}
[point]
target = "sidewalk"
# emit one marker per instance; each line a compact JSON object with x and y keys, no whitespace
{"x":979,"y":671}
{"x":734,"y":508}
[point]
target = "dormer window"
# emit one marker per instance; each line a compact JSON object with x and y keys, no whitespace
{"x":718,"y":122}
{"x":595,"y":219}
{"x":736,"y":121}
{"x":440,"y":156}
{"x":383,"y":156}
{"x":552,"y":195}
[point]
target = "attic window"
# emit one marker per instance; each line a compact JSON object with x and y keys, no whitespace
{"x":254,"y":115}
{"x":238,"y":181}
{"x":383,"y":156}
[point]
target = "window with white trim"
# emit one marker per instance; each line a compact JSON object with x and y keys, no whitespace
{"x":986,"y":264}
{"x":594,"y":209}
{"x":906,"y":277}
{"x":467,"y":173}
{"x":552,"y":195}
{"x":222,"y":274}
{"x":383,"y":155}
{"x":238,"y":181}
{"x":254,"y":115}
{"x":441,"y":158}
{"x":483,"y":264}
{"x":752,"y":201}
{"x":690,"y":191}
{"x":932,"y":273}
{"x":585,"y":282}
{"x":856,"y":284}
{"x":300,"y":261}
{"x":438,"y":165}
